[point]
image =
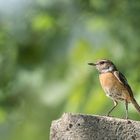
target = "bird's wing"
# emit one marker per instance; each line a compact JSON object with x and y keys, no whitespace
{"x":123,"y":81}
{"x":121,"y":78}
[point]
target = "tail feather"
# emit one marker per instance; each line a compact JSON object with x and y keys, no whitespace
{"x":136,"y":105}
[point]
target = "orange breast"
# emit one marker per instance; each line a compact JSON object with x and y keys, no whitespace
{"x":113,"y":87}
{"x":108,"y":80}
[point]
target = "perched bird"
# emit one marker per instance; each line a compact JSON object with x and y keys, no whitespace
{"x":115,"y":84}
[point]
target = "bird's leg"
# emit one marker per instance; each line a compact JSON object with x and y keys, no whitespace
{"x":115,"y":104}
{"x":126,"y":107}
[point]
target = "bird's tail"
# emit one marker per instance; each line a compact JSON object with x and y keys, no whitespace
{"x":136,"y":105}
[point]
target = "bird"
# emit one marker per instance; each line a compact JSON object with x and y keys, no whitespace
{"x":115,"y":85}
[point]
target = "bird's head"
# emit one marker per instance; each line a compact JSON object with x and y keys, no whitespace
{"x":104,"y":65}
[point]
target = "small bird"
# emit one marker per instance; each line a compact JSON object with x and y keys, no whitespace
{"x":115,"y":84}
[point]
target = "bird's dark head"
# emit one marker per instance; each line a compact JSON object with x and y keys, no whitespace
{"x":104,"y":65}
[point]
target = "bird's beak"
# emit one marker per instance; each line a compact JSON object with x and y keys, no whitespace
{"x":92,"y":64}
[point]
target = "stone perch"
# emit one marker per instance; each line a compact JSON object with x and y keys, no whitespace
{"x":87,"y":127}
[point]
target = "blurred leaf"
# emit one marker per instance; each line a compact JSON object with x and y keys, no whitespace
{"x":43,"y":22}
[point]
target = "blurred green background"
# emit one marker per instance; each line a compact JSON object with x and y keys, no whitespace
{"x":45,"y":46}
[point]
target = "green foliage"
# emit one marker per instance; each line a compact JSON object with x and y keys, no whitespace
{"x":45,"y":46}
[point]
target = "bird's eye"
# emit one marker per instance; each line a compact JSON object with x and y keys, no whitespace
{"x":102,"y":62}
